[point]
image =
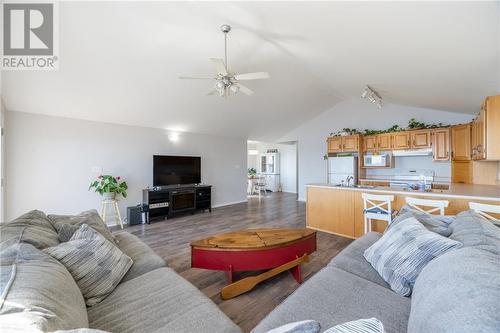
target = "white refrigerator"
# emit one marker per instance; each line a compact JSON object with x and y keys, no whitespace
{"x":339,"y":168}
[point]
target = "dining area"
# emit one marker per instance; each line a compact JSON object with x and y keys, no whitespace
{"x":256,"y":184}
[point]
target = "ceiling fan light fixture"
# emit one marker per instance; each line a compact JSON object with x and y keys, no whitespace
{"x":228,"y":82}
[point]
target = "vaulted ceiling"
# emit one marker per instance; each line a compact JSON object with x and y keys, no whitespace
{"x":120,"y":61}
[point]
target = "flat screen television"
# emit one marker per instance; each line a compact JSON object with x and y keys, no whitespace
{"x":176,"y":170}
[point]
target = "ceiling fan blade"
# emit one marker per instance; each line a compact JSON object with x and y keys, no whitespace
{"x":195,"y":78}
{"x":252,"y":76}
{"x":219,"y":66}
{"x":244,"y":89}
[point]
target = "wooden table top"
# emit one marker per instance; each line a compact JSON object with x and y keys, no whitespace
{"x":253,"y":239}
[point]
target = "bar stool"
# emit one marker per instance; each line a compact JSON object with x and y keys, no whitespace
{"x":419,"y":204}
{"x":484,"y":209}
{"x":377,"y":207}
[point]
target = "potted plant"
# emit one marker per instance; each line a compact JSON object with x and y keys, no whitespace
{"x":109,"y":186}
{"x":252,"y":172}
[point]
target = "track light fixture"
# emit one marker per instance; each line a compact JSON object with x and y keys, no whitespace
{"x":372,"y":96}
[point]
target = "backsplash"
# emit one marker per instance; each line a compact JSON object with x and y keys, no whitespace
{"x":442,"y":170}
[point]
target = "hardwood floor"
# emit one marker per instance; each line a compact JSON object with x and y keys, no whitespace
{"x":171,"y":239}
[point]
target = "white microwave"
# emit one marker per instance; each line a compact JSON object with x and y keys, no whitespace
{"x":382,"y":160}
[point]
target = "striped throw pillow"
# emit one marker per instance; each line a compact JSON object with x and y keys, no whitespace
{"x":404,"y":250}
{"x":372,"y":325}
{"x":94,"y":262}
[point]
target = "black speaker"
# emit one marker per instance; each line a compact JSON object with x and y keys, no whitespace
{"x":134,"y":215}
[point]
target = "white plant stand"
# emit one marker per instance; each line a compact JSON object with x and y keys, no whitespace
{"x":114,"y":203}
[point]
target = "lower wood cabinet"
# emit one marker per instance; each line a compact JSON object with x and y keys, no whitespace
{"x":331,"y":211}
{"x":340,"y":211}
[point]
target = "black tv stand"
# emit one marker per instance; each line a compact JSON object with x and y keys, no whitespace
{"x":167,"y":201}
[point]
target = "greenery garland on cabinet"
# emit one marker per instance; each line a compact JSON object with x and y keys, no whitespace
{"x":413,"y":124}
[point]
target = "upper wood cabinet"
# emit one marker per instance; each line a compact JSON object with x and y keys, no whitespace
{"x":401,"y":140}
{"x":461,"y":143}
{"x":486,"y":131}
{"x":370,"y":143}
{"x":350,"y":143}
{"x":384,"y":142}
{"x":421,"y":139}
{"x":339,"y":144}
{"x":334,"y":144}
{"x":441,"y":144}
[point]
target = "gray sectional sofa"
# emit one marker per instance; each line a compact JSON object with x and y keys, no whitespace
{"x":457,"y":292}
{"x":38,"y":292}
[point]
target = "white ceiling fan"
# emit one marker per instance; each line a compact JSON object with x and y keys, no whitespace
{"x":227,"y":82}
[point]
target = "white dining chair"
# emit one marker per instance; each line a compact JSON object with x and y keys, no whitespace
{"x":424,"y":204}
{"x":376,"y":207}
{"x":484,"y":209}
{"x":261,"y":185}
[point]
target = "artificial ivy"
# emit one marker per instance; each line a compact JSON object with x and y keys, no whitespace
{"x":413,"y":124}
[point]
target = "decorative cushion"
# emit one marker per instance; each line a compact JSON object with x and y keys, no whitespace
{"x":304,"y":326}
{"x":436,"y":223}
{"x":404,"y":250}
{"x":458,"y":292}
{"x":372,"y":325}
{"x":473,"y":230}
{"x":96,"y":265}
{"x":63,"y":223}
{"x":33,"y":227}
{"x":37,"y":293}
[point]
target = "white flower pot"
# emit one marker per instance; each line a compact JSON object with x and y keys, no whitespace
{"x":108,"y":195}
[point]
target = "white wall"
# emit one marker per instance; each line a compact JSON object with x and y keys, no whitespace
{"x":49,"y":161}
{"x":358,"y":114}
{"x":288,"y":162}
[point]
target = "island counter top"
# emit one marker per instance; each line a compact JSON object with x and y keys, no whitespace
{"x":456,"y":190}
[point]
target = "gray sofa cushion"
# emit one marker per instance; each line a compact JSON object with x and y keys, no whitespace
{"x":89,"y":217}
{"x":351,"y":259}
{"x":37,"y":293}
{"x":96,"y":265}
{"x":334,"y":296}
{"x":33,"y":227}
{"x":473,"y":230}
{"x":159,"y":301}
{"x":436,"y":223}
{"x":404,"y":250}
{"x":458,"y":292}
{"x":144,"y":259}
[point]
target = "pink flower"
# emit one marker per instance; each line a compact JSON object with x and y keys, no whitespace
{"x":118,"y":178}
{"x":99,"y":177}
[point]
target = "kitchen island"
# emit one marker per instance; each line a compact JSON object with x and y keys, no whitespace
{"x":339,"y":209}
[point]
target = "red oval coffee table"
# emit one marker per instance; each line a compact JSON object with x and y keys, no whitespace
{"x":254,"y":250}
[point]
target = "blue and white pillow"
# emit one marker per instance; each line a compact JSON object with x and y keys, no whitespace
{"x":372,"y":325}
{"x":404,"y":250}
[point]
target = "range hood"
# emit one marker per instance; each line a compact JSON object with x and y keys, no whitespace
{"x":413,"y":152}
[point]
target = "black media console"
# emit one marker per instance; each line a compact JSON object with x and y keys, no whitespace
{"x":166,"y":201}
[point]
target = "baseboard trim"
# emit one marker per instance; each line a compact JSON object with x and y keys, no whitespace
{"x":229,"y":203}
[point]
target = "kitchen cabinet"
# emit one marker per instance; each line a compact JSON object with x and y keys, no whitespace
{"x":477,"y":136}
{"x":338,"y":144}
{"x":334,"y":144}
{"x":461,"y":142}
{"x":401,"y":140}
{"x":441,"y":144}
{"x":384,"y":142}
{"x":420,"y":139}
{"x":272,"y":182}
{"x":370,"y":143}
{"x":330,"y":211}
{"x":340,"y":210}
{"x":350,"y":143}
